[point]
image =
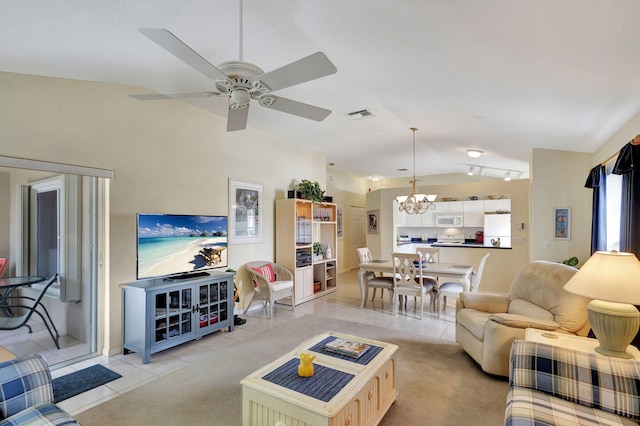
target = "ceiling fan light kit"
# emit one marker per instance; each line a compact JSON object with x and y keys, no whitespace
{"x":242,"y":81}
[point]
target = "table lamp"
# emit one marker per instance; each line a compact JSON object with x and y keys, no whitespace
{"x":612,"y":279}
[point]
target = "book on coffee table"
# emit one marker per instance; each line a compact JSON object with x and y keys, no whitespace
{"x":351,"y":348}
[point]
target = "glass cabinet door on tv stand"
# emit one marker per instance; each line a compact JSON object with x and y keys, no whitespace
{"x":172,"y":314}
{"x":162,"y":313}
{"x":212,"y":305}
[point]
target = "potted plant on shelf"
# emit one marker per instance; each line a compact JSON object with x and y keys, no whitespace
{"x":318,"y":251}
{"x":310,"y":191}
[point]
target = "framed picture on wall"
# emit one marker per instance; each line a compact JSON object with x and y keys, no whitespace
{"x":245,"y":212}
{"x":562,"y":223}
{"x":372,"y":222}
{"x":339,"y":211}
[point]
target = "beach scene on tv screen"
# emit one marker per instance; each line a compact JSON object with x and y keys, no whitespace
{"x":173,"y":244}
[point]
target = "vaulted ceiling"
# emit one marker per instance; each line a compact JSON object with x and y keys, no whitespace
{"x":501,"y":76}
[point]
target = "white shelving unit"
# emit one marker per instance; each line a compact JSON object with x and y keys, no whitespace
{"x":299,"y":224}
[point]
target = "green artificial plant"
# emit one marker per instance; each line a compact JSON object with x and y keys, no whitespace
{"x":310,"y":191}
{"x":318,"y":248}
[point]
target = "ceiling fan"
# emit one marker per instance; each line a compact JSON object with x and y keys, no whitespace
{"x":242,"y":81}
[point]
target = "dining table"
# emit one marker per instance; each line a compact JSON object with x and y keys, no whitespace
{"x":455,"y":271}
{"x":10,"y":284}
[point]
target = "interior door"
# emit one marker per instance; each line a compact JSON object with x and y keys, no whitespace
{"x":357,"y":235}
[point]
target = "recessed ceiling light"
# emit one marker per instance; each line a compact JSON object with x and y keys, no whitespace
{"x":474,"y":153}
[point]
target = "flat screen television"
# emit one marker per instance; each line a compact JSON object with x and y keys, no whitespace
{"x":178,"y":245}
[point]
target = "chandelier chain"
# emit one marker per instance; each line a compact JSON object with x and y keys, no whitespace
{"x":416,"y":203}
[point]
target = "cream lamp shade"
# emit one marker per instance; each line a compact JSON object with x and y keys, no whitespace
{"x":612,"y":279}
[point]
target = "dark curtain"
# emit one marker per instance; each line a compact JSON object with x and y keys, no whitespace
{"x":627,"y":165}
{"x":597,"y":180}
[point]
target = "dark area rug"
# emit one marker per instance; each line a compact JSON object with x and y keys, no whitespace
{"x":75,"y":383}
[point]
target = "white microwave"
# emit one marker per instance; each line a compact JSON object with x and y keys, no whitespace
{"x":449,"y":220}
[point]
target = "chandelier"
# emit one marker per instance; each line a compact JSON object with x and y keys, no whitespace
{"x":416,"y":203}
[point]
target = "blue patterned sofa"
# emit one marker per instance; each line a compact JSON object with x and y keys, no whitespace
{"x":551,"y":385}
{"x":26,"y":394}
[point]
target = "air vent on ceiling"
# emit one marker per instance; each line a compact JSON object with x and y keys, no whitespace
{"x":357,"y":115}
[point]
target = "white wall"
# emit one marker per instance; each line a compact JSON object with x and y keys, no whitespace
{"x":346,"y":191}
{"x":168,"y":157}
{"x":617,"y":140}
{"x":557,"y":180}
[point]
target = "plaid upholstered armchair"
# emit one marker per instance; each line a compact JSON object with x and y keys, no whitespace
{"x":26,"y":394}
{"x":552,"y":385}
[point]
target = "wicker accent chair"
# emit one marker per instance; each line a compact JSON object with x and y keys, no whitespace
{"x":271,"y":282}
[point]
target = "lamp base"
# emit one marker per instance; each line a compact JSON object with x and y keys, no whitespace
{"x":615,"y":325}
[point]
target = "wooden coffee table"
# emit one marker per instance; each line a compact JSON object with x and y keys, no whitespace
{"x":343,"y":391}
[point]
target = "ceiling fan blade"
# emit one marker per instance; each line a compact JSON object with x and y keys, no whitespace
{"x":237,"y":118}
{"x":294,"y":107}
{"x":305,"y":69}
{"x":158,"y":96}
{"x":168,"y":41}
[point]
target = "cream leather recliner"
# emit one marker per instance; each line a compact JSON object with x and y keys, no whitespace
{"x":488,"y":323}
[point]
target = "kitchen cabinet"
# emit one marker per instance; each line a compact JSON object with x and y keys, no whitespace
{"x":427,"y":219}
{"x":492,"y":206}
{"x":449,"y":207}
{"x":412,"y":220}
{"x":473,"y":213}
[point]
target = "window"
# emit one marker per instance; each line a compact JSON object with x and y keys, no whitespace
{"x":51,"y":228}
{"x":44,"y":217}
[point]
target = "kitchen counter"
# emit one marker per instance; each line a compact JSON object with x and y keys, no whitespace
{"x":433,"y":243}
{"x":467,"y":245}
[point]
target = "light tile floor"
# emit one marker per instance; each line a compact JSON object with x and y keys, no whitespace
{"x":344,"y":304}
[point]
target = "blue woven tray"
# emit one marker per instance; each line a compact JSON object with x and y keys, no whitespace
{"x":323,"y":385}
{"x":364,"y":359}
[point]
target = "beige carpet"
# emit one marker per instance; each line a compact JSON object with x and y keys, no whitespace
{"x":438,"y":383}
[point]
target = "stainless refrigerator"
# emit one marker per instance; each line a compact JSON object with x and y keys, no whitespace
{"x":497,"y":226}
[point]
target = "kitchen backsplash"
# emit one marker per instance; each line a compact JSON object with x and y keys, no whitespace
{"x":425,"y":233}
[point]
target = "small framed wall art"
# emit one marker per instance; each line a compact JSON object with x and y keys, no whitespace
{"x":562,"y":223}
{"x":245,"y":212}
{"x":372,"y":221}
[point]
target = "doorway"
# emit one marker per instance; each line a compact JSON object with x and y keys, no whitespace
{"x":357,"y":234}
{"x":56,"y":223}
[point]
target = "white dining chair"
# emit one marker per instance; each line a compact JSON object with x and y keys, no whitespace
{"x":428,"y":255}
{"x":454,"y":289}
{"x":409,"y":281}
{"x":371,"y":279}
